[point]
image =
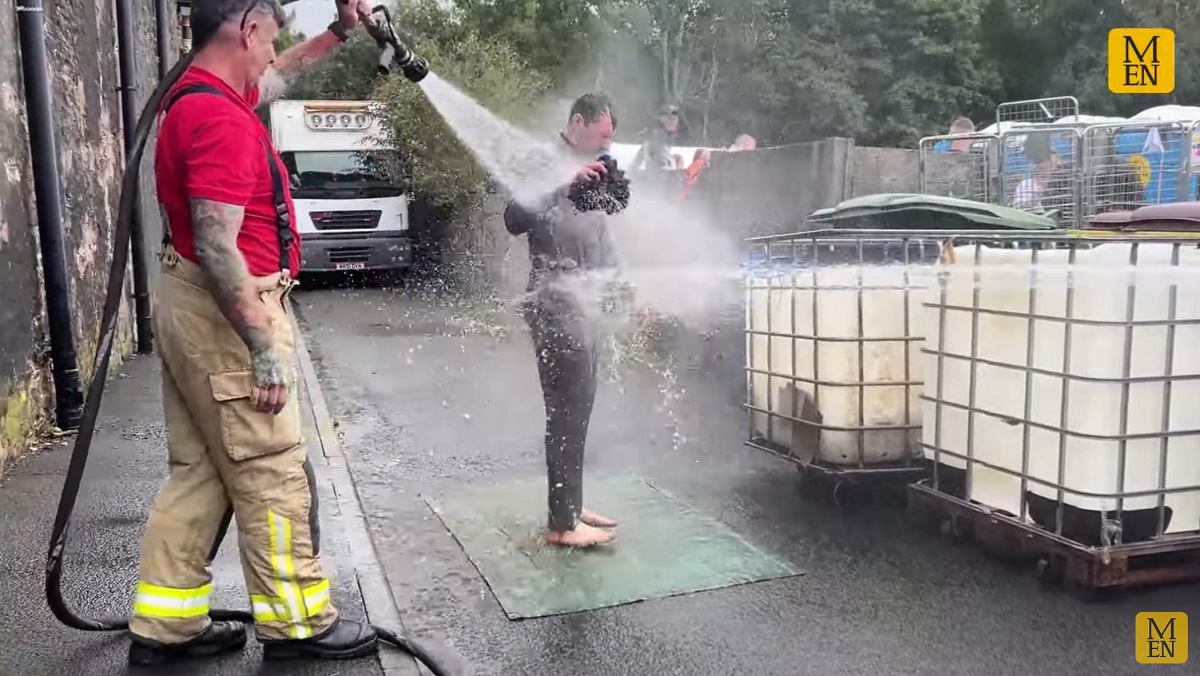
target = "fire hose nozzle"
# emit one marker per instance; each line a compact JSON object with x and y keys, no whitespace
{"x":394,"y":53}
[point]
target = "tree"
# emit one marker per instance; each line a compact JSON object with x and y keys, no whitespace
{"x":885,"y":72}
{"x":437,"y":165}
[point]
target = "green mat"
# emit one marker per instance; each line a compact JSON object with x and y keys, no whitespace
{"x":663,"y":548}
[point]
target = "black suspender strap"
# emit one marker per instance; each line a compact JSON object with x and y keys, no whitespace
{"x":198,"y":88}
{"x":283,"y":218}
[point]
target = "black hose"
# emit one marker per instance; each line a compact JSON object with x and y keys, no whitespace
{"x":87,"y":425}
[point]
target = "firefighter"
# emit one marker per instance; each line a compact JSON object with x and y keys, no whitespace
{"x":565,"y":244}
{"x":225,"y":340}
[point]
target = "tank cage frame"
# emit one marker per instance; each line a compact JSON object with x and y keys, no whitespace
{"x":781,"y":259}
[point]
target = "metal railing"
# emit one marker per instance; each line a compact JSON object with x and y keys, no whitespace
{"x":1037,"y":110}
{"x":960,"y":165}
{"x":1040,"y":169}
{"x":1129,"y":165}
{"x":1090,"y":169}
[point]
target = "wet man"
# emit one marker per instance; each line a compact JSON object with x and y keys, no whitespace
{"x":564,"y":246}
{"x":225,"y":338}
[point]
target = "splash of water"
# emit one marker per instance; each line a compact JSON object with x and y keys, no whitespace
{"x":671,"y":252}
{"x":528,"y":167}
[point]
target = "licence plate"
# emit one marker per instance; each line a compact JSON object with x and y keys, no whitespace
{"x":349,"y":266}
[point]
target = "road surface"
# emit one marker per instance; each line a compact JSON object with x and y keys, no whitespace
{"x":430,"y":398}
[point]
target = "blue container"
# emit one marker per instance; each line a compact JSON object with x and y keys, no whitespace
{"x":1160,"y":169}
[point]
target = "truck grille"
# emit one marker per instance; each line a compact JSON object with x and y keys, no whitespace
{"x":345,"y":220}
{"x":350,"y":254}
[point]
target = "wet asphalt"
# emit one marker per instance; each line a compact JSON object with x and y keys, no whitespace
{"x":127,"y":464}
{"x":430,"y":398}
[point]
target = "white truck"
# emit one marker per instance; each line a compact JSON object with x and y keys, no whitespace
{"x":349,"y":214}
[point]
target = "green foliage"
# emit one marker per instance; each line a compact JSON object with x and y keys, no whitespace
{"x":434,"y":164}
{"x":438,"y":166}
{"x":885,"y":72}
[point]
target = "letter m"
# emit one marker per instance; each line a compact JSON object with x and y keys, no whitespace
{"x":1150,"y":50}
{"x":1161,"y":633}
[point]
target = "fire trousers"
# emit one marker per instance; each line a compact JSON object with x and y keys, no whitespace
{"x":226,"y":459}
{"x":565,"y":343}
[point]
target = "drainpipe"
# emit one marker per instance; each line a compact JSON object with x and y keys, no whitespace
{"x":126,"y":48}
{"x":162,"y":34}
{"x":47,"y":187}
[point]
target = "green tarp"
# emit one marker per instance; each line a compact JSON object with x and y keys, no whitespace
{"x":664,"y":547}
{"x":907,"y":211}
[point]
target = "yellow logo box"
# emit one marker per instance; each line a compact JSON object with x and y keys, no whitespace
{"x":1141,"y":61}
{"x":1161,"y":638}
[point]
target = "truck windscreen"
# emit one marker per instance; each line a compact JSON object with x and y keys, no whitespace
{"x":341,"y":174}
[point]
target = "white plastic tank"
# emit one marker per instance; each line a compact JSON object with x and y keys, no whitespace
{"x":824,"y":302}
{"x":1101,"y":279}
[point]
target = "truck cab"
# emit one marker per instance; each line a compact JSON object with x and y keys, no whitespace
{"x":350,"y":215}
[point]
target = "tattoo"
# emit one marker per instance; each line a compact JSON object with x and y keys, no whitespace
{"x":293,"y":63}
{"x":267,"y":368}
{"x":215,"y":227}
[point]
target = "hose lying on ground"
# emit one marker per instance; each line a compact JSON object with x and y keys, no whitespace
{"x":87,"y":426}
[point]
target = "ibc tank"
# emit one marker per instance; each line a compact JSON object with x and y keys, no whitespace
{"x":1091,"y":367}
{"x":813,"y":317}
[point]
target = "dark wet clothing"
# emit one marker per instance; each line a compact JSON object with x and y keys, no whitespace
{"x":563,"y":243}
{"x":656,"y":150}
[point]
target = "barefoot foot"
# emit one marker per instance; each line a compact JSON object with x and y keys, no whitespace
{"x":593,"y":519}
{"x":583,"y":536}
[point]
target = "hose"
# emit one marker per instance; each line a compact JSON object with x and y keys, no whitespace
{"x":87,"y":425}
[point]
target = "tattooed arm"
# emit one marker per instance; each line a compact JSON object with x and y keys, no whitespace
{"x":293,"y":63}
{"x":215,"y":226}
{"x":296,"y":60}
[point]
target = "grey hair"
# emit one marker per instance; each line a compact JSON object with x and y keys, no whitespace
{"x":209,"y":15}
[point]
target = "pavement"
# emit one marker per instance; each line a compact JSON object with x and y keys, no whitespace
{"x":127,"y":465}
{"x":430,"y":397}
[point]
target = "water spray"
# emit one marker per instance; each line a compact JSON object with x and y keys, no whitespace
{"x":398,"y":56}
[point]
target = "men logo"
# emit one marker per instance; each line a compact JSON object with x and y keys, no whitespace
{"x":1141,"y":61}
{"x":1162,"y":638}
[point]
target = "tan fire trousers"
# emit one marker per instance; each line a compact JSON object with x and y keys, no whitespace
{"x":227,"y":457}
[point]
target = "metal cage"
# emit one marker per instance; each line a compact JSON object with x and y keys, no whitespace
{"x":1127,"y":165}
{"x":1041,"y":170}
{"x":785,"y":405}
{"x":966,"y":166}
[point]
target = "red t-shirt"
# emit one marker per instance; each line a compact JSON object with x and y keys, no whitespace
{"x":211,"y":147}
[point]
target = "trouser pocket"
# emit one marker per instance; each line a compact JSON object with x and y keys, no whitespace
{"x":246,"y":432}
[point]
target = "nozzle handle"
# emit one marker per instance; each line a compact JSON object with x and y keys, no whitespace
{"x":385,"y":58}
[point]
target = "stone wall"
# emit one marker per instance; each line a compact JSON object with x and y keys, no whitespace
{"x":82,"y":43}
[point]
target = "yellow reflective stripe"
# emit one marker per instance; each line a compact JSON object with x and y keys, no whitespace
{"x":273,"y":609}
{"x":316,"y":597}
{"x":167,"y":602}
{"x":268,"y":609}
{"x":285,"y":574}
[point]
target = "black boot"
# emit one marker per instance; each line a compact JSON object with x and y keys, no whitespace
{"x":345,"y":640}
{"x":220,"y":637}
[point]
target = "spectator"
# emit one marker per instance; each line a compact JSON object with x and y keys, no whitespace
{"x":655,"y":152}
{"x":743,"y":142}
{"x":961,"y":125}
{"x":1032,"y":193}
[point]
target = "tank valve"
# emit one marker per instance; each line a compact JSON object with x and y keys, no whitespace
{"x":394,"y":53}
